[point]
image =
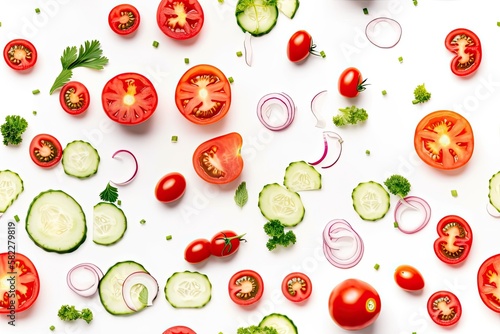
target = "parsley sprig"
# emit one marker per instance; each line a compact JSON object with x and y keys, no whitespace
{"x":277,"y":235}
{"x":88,"y":55}
{"x":110,"y":194}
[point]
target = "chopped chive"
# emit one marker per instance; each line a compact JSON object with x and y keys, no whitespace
{"x":322,"y":54}
{"x":396,"y":225}
{"x":454,"y":193}
{"x":365,"y":11}
{"x":230,"y":79}
{"x":52,"y":328}
{"x":186,"y":60}
{"x":143,"y":221}
{"x":367,"y":152}
{"x":174,"y":139}
{"x":498,"y":23}
{"x":376,"y":266}
{"x":239,"y":54}
{"x":16,"y":218}
{"x":400,"y":59}
{"x":155,"y":44}
{"x":384,"y":92}
{"x":37,"y":10}
{"x":119,"y":202}
{"x":221,"y":1}
{"x":168,"y":237}
{"x":35,"y":91}
{"x":34,"y":112}
{"x":415,"y":2}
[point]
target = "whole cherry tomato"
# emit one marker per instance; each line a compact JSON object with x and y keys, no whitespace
{"x":351,"y":82}
{"x":170,"y":187}
{"x":225,"y":243}
{"x":197,"y":251}
{"x":408,"y":278}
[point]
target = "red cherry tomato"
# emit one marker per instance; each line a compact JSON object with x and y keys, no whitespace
{"x":455,"y":240}
{"x":124,"y":19}
{"x":467,"y":47}
{"x":179,"y":330}
{"x":296,"y":287}
{"x":299,"y":46}
{"x":409,"y":278}
{"x":170,"y":187}
{"x":197,"y":251}
{"x":74,"y":98}
{"x":351,"y":82}
{"x":354,"y":304}
{"x":488,"y":282}
{"x":444,"y":308}
{"x":45,"y":150}
{"x":180,"y":19}
{"x":246,"y":287}
{"x":225,"y":243}
{"x":20,"y":54}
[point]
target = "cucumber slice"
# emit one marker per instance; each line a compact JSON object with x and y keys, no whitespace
{"x":11,"y":185}
{"x":56,"y":222}
{"x":288,"y":7}
{"x":80,"y":159}
{"x":258,"y":17}
{"x":301,"y":176}
{"x":188,"y":289}
{"x":494,"y":191}
{"x":280,"y":322}
{"x":111,"y":289}
{"x":277,"y":202}
{"x":110,"y":224}
{"x":370,"y":200}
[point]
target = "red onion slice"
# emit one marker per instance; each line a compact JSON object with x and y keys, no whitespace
{"x":329,"y":134}
{"x":383,"y":32}
{"x":79,"y":281}
{"x":342,"y":246}
{"x":143,"y":278}
{"x":492,"y":211}
{"x":419,"y":208}
{"x":320,"y":120}
{"x":271,"y":118}
{"x":247,"y":44}
{"x":135,"y":170}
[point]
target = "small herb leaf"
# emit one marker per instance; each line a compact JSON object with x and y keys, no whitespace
{"x":110,"y":194}
{"x":241,"y":194}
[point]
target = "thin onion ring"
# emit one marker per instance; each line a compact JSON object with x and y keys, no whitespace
{"x":371,"y":34}
{"x":247,"y":45}
{"x":88,"y":290}
{"x":416,"y":203}
{"x":330,"y":238}
{"x":264,"y":109}
{"x":139,"y":277}
{"x":325,"y":151}
{"x":320,"y":120}
{"x":135,"y":171}
{"x":492,"y":211}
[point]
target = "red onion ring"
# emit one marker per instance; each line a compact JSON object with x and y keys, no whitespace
{"x":336,"y":235}
{"x":371,"y":33}
{"x":320,"y":120}
{"x":84,"y":291}
{"x":416,"y":203}
{"x":264,"y":110}
{"x":247,"y":44}
{"x":135,"y":171}
{"x":139,"y":277}
{"x":325,"y":152}
{"x":492,"y":210}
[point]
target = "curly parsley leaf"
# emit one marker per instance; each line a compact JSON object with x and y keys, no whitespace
{"x":110,"y":194}
{"x":278,"y":237}
{"x":241,"y":194}
{"x":12,"y":129}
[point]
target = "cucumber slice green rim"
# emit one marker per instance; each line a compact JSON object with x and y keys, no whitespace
{"x":370,"y":200}
{"x":258,"y":17}
{"x":80,"y":159}
{"x":300,"y":176}
{"x":11,"y":186}
{"x":277,"y":202}
{"x":282,"y":323}
{"x":188,"y":289}
{"x":110,"y":224}
{"x":288,"y":7}
{"x":494,"y":191}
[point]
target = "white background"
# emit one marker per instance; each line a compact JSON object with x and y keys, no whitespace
{"x":337,"y":28}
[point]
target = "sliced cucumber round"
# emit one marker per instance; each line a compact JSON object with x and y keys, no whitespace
{"x":11,"y":186}
{"x":494,"y":191}
{"x":280,"y":322}
{"x":288,"y":7}
{"x":370,"y":200}
{"x":258,"y":17}
{"x":56,"y":222}
{"x":110,"y":224}
{"x":188,"y":289}
{"x":277,"y":202}
{"x":80,"y":159}
{"x":300,"y":176}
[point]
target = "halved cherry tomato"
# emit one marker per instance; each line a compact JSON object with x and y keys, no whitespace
{"x":225,"y":243}
{"x":129,"y":98}
{"x":296,"y":287}
{"x":74,"y":98}
{"x":179,"y":330}
{"x":467,"y":47}
{"x":246,"y":287}
{"x":444,"y":140}
{"x":409,"y":278}
{"x":218,"y":160}
{"x":351,"y":82}
{"x":18,"y":292}
{"x":197,"y":251}
{"x":180,"y":19}
{"x":488,"y":282}
{"x":299,"y":46}
{"x":45,"y":150}
{"x":444,"y":308}
{"x":455,"y":239}
{"x":20,"y":54}
{"x":124,"y":19}
{"x":170,"y":187}
{"x":203,"y":94}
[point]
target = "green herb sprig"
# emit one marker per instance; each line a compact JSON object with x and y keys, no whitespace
{"x":241,"y":194}
{"x":110,"y":194}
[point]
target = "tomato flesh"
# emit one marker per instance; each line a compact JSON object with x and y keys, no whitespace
{"x":124,"y":19}
{"x":455,"y":240}
{"x":45,"y":150}
{"x":74,"y":98}
{"x":467,"y":47}
{"x":197,"y":251}
{"x":20,"y":54}
{"x":170,"y":187}
{"x":179,"y":330}
{"x":246,"y":287}
{"x":180,"y":19}
{"x":296,"y":287}
{"x":408,"y":278}
{"x":299,"y":46}
{"x":444,"y":308}
{"x":488,"y":282}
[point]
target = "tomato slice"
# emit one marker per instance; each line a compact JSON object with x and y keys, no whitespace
{"x":74,"y":98}
{"x":488,"y":282}
{"x":467,"y":47}
{"x":444,"y":140}
{"x":45,"y":150}
{"x":246,"y":287}
{"x":124,"y":19}
{"x":203,"y":94}
{"x":444,"y":308}
{"x":129,"y":98}
{"x":18,"y":291}
{"x":179,"y":330}
{"x":20,"y":54}
{"x":455,"y":239}
{"x":218,"y":160}
{"x":296,"y":287}
{"x":180,"y":19}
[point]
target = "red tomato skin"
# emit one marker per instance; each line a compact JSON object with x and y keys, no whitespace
{"x":299,"y":46}
{"x":234,"y":288}
{"x":454,"y":303}
{"x":40,"y":143}
{"x":464,"y":242}
{"x":114,"y":19}
{"x":79,"y":90}
{"x":300,"y":294}
{"x":488,"y":287}
{"x":225,"y":243}
{"x":197,"y":251}
{"x":170,"y":187}
{"x":409,"y":278}
{"x":179,"y":330}
{"x":473,"y":48}
{"x":350,"y":82}
{"x":354,"y":304}
{"x":26,"y":62}
{"x":194,"y":20}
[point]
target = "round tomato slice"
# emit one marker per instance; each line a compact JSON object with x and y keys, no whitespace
{"x":203,"y":94}
{"x":18,"y":292}
{"x":74,"y":98}
{"x":124,"y":19}
{"x":179,"y":330}
{"x":20,"y":54}
{"x":296,"y":287}
{"x":408,"y":278}
{"x":467,"y":47}
{"x":180,"y":19}
{"x":45,"y":150}
{"x":444,"y":140}
{"x":218,"y":160}
{"x":246,"y":287}
{"x":488,"y":282}
{"x":444,"y":308}
{"x":455,"y":239}
{"x":129,"y":98}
